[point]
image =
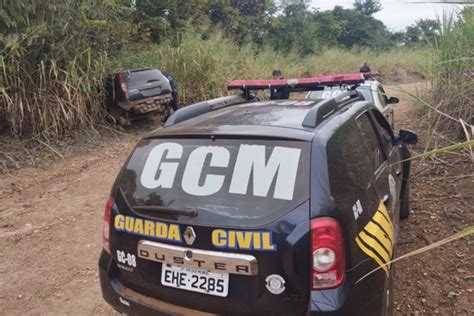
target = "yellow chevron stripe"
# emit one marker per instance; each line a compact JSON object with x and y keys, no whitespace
{"x":383,"y":209}
{"x":380,"y":236}
{"x":386,"y":225}
{"x":371,"y":254}
{"x":372,"y":242}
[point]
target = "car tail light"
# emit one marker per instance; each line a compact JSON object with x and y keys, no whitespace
{"x":123,"y":85}
{"x":328,"y":260}
{"x":106,"y":231}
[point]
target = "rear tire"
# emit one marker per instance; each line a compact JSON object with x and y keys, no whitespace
{"x":405,"y":202}
{"x":119,"y":115}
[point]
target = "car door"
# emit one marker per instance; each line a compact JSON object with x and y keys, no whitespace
{"x":386,"y":138}
{"x":359,"y":171}
{"x":351,"y":180}
{"x":385,"y":159}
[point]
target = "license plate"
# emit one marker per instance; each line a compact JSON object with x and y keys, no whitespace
{"x":195,"y":280}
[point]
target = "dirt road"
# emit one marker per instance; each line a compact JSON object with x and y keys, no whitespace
{"x":51,"y":226}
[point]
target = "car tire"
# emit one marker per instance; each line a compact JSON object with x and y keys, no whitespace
{"x":405,"y":202}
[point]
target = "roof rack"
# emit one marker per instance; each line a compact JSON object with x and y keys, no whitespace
{"x":196,"y":109}
{"x":325,"y":108}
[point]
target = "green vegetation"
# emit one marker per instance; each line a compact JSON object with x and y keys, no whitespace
{"x":55,"y":54}
{"x":202,"y":68}
{"x":453,"y":75}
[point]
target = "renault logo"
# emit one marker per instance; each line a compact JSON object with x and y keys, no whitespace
{"x":189,"y":235}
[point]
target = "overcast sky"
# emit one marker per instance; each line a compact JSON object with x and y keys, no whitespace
{"x":395,"y":14}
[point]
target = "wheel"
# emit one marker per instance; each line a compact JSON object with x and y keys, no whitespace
{"x":405,"y":202}
{"x":119,"y":115}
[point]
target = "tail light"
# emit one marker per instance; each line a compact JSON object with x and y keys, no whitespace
{"x":123,"y":85}
{"x":328,"y":260}
{"x":106,"y":231}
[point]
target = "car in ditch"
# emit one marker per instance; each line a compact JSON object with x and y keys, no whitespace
{"x":372,"y":90}
{"x":136,"y":93}
{"x":246,"y":207}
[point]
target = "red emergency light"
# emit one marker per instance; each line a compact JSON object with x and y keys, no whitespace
{"x":300,"y":83}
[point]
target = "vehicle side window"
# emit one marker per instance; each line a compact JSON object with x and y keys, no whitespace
{"x":382,"y":96}
{"x":385,"y":132}
{"x":369,"y":138}
{"x":348,"y":165}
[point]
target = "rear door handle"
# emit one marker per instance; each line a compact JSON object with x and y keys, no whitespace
{"x":386,"y":199}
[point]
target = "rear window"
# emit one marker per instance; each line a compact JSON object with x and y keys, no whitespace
{"x":141,"y":78}
{"x":330,"y":92}
{"x":327,"y":93}
{"x":229,"y":182}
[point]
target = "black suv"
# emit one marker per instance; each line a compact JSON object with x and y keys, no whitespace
{"x":248,"y":207}
{"x":136,"y":93}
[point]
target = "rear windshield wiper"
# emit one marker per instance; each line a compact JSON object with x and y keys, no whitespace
{"x":167,"y":210}
{"x":152,"y":80}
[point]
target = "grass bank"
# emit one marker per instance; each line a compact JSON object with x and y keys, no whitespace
{"x":202,"y":68}
{"x":52,"y":97}
{"x":452,"y":76}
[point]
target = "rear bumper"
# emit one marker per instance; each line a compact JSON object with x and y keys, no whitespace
{"x":128,"y":301}
{"x":147,"y":104}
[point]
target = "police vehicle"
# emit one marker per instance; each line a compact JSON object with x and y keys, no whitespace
{"x":248,"y":207}
{"x":372,"y":90}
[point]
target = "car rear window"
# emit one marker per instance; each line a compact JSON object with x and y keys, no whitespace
{"x":142,"y":77}
{"x":330,"y":92}
{"x":229,"y":181}
{"x":327,"y":93}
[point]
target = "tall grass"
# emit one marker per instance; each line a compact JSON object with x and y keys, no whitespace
{"x":51,"y":90}
{"x":452,"y":81}
{"x":53,"y":56}
{"x":52,"y":99}
{"x":202,"y":68}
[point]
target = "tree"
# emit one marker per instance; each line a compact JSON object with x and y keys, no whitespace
{"x":295,"y":29}
{"x":429,"y":28}
{"x":328,"y":30}
{"x":361,"y":30}
{"x":170,"y":18}
{"x":367,"y":7}
{"x":422,"y":31}
{"x":245,"y":21}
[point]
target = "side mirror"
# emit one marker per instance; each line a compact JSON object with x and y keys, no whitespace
{"x":407,"y":137}
{"x":393,"y":100}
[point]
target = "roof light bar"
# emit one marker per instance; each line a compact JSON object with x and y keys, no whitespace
{"x":311,"y":82}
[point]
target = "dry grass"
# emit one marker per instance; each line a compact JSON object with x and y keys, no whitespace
{"x":203,"y":68}
{"x":51,"y":100}
{"x":56,"y":96}
{"x":452,"y":77}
